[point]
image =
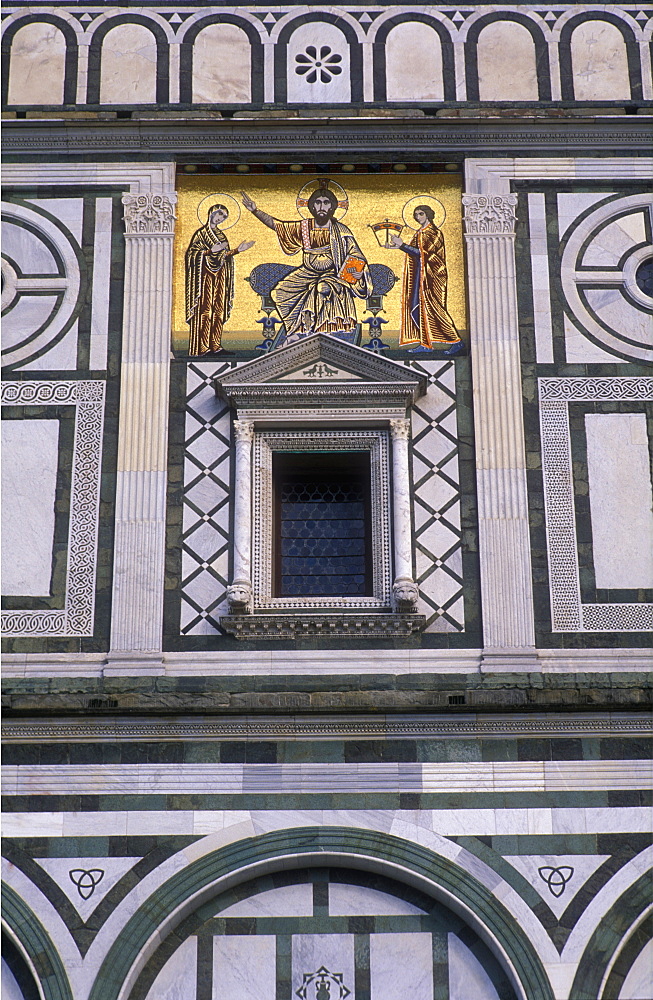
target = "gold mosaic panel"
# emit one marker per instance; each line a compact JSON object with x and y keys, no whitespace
{"x":371,"y":200}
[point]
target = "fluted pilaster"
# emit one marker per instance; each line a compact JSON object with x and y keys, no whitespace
{"x":504,"y":540}
{"x":138,"y":573}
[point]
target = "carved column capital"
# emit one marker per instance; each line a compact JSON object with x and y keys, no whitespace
{"x":243,"y":431}
{"x":149,"y":214}
{"x":490,"y":214}
{"x":400,"y":429}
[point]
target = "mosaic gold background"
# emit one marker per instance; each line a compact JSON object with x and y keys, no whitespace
{"x":372,"y":198}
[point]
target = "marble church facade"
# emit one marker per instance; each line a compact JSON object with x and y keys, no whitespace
{"x":437,"y":785}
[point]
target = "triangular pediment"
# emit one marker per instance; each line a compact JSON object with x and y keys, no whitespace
{"x":322,"y":360}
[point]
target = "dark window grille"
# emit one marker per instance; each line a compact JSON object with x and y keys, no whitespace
{"x":322,"y":527}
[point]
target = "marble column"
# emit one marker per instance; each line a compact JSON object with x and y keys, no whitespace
{"x":239,"y":593}
{"x":138,"y":566}
{"x":504,"y":540}
{"x":404,"y":588}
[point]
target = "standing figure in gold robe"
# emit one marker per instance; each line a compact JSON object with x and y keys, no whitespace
{"x":210,"y":283}
{"x":320,"y":295}
{"x":424,"y":317}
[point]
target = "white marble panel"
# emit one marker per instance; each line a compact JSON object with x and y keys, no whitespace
{"x":70,"y":211}
{"x":222,"y":65}
{"x":540,"y":276}
{"x":128,"y":66}
{"x":580,"y":350}
{"x":614,"y":240}
{"x":621,"y":498}
{"x":286,"y":901}
{"x":29,"y":482}
{"x":101,"y":279}
{"x":618,"y":314}
{"x":177,"y":980}
{"x":9,"y":989}
{"x":401,"y":965}
{"x":61,"y":357}
{"x":27,"y":249}
{"x":244,"y":967}
{"x":467,"y":977}
{"x":413,"y":63}
{"x":334,"y":952}
{"x":37,"y":65}
{"x":638,"y":984}
{"x":570,"y":206}
{"x":359,"y":900}
{"x":327,"y":80}
{"x":30,"y":313}
{"x":506,"y":63}
{"x":60,"y":870}
{"x":599,"y":62}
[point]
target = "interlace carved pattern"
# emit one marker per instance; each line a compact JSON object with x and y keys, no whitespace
{"x":76,"y":619}
{"x":568,"y":613}
{"x":205,"y":527}
{"x":149,"y":214}
{"x":489,"y":214}
{"x":436,"y":484}
{"x":376,"y":442}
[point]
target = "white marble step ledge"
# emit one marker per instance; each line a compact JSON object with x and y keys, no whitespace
{"x":276,"y":779}
{"x":213,"y":663}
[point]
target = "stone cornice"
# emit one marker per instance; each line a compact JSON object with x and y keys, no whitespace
{"x":196,"y":139}
{"x":469,"y":726}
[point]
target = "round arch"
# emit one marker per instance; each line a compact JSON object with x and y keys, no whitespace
{"x":43,"y":958}
{"x":95,"y":55}
{"x":610,"y":933}
{"x":379,"y":57}
{"x":71,"y":60}
{"x":186,"y":57}
{"x":632,"y":52}
{"x":541,"y":52}
{"x":402,"y":860}
{"x":281,"y":54}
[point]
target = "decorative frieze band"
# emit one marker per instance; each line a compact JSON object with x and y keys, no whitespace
{"x":466,"y":726}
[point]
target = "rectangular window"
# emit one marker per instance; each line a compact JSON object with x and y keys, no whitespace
{"x":322,"y":525}
{"x":321,"y":534}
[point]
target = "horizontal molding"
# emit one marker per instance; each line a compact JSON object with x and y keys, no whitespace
{"x":258,"y":138}
{"x":341,"y":662}
{"x":273,"y":779}
{"x":463,"y":822}
{"x":328,"y":728}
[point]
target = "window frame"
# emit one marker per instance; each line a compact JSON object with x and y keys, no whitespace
{"x":266,"y":442}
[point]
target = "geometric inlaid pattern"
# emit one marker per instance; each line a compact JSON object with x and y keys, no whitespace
{"x":436,"y":507}
{"x":205,"y":526}
{"x":76,"y":617}
{"x":568,"y":612}
{"x":437,"y":527}
{"x":557,"y":878}
{"x":86,"y":881}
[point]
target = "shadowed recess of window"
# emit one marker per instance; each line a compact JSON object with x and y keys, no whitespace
{"x":323,"y":531}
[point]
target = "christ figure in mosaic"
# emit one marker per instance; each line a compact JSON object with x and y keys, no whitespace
{"x":320,"y":295}
{"x":425,"y":321}
{"x":210,"y":283}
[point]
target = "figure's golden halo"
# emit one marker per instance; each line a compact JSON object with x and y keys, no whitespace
{"x":423,"y":199}
{"x":315,"y":185}
{"x":219,"y":199}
